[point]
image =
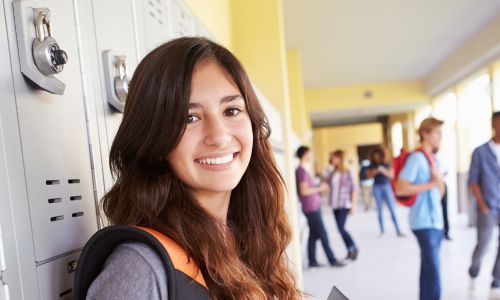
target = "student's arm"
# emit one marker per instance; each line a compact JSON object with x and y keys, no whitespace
{"x":405,"y":185}
{"x":353,"y":192}
{"x":474,"y":179}
{"x":306,"y":190}
{"x":481,"y":203}
{"x":406,"y":188}
{"x":371,"y":172}
{"x":389,"y":172}
{"x":353,"y":200}
{"x":132,"y":271}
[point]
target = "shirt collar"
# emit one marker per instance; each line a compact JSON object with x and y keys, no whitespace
{"x":492,"y":145}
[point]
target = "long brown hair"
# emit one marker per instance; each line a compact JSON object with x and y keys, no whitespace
{"x":246,"y":259}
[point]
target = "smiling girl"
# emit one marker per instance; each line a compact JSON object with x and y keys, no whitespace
{"x":193,"y":161}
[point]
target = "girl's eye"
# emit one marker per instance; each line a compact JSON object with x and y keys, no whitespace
{"x":231,"y":112}
{"x":192,"y":118}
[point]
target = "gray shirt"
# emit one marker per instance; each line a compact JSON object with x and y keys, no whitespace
{"x":132,"y":271}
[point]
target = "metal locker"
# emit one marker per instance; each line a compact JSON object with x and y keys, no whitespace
{"x":16,"y":233}
{"x":62,"y":288}
{"x":152,"y":24}
{"x":113,"y":40}
{"x":54,"y":140}
{"x":181,"y":19}
{"x":4,"y":288}
{"x":201,"y":30}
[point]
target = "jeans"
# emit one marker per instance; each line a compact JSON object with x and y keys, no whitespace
{"x":383,"y":193}
{"x":340,"y":219}
{"x":486,"y":223}
{"x":317,"y":231}
{"x":429,"y":241}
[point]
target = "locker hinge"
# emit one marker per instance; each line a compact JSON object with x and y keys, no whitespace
{"x":2,"y":283}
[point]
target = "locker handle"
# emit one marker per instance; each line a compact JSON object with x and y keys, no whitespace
{"x":117,"y":79}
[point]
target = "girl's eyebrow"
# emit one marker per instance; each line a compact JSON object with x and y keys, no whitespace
{"x":223,"y":100}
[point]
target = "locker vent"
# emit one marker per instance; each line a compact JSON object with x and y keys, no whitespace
{"x":156,"y":10}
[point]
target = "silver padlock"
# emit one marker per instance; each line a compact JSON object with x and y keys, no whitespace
{"x":49,"y":57}
{"x":122,"y":81}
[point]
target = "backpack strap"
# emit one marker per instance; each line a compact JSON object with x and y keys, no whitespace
{"x":178,"y":256}
{"x":428,"y":156}
{"x":180,"y":270}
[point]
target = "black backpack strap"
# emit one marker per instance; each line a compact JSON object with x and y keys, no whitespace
{"x":103,"y":243}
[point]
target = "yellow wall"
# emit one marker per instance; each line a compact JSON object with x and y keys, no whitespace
{"x":347,"y":138}
{"x":216,"y":16}
{"x":301,"y":123}
{"x":259,"y":42}
{"x":352,"y":97}
{"x":254,"y":32}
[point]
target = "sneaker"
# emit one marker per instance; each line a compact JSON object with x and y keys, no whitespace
{"x":338,"y":264}
{"x":353,"y":254}
{"x":315,"y":265}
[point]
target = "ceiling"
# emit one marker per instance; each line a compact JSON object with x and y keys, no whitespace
{"x":344,"y":42}
{"x":359,"y":115}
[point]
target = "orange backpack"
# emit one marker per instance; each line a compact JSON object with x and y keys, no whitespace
{"x":184,"y":278}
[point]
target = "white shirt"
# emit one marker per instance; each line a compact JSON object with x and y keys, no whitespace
{"x":496,"y":149}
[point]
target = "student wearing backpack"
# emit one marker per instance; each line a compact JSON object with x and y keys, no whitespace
{"x":420,"y":177}
{"x":192,"y":160}
{"x":382,"y":173}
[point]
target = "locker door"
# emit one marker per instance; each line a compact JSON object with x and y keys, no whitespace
{"x":181,"y":19}
{"x":4,"y":287}
{"x":201,"y":30}
{"x":152,"y":24}
{"x":115,"y":36}
{"x":55,"y":145}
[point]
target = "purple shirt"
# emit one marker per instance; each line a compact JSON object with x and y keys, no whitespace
{"x":309,"y":203}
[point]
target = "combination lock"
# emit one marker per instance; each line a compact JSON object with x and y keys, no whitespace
{"x":49,"y":57}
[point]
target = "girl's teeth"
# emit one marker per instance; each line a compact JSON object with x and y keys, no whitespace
{"x":217,"y":160}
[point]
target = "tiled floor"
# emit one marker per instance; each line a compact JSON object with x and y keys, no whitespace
{"x":388,"y":267}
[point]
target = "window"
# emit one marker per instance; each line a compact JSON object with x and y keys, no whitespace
{"x":445,"y":108}
{"x":396,"y":138}
{"x":475,"y":110}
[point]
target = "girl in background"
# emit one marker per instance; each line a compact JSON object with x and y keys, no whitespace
{"x":341,"y":198}
{"x":382,"y":173}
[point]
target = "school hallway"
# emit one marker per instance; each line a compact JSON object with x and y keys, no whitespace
{"x":388,"y":267}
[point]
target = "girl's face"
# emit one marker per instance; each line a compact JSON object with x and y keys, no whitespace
{"x":335,"y":160}
{"x":215,"y":149}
